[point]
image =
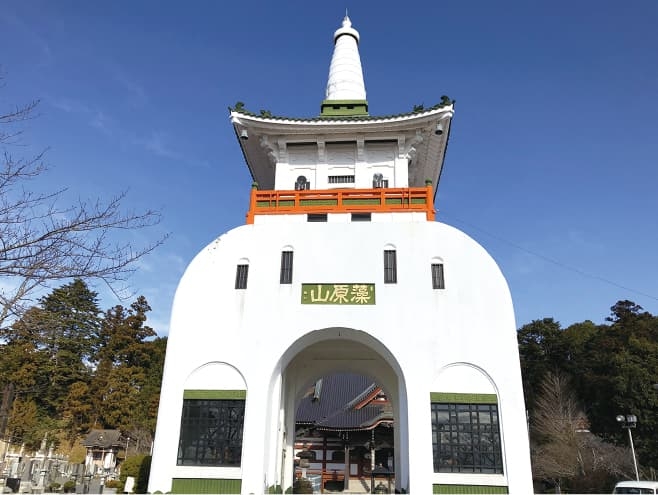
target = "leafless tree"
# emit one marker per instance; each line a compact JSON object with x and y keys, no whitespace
{"x":563,"y":448}
{"x":43,"y":241}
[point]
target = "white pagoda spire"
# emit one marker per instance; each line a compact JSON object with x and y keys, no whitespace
{"x":345,"y":73}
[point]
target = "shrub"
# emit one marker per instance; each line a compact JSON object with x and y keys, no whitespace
{"x":302,"y":485}
{"x":139,"y":467}
{"x":69,"y":486}
{"x":112,"y":484}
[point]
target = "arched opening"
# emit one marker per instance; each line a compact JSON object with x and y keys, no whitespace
{"x":327,"y":358}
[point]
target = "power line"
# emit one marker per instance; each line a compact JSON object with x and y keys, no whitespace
{"x":553,"y":261}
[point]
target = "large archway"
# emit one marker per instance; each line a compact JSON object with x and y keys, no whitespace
{"x":324,"y":352}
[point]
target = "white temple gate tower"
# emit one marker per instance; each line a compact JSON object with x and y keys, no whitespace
{"x":341,"y":266}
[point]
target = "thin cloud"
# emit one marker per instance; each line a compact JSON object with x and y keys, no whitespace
{"x":101,"y":122}
{"x":156,"y":262}
{"x":579,"y":239}
{"x":64,"y":105}
{"x":97,"y":119}
{"x":68,"y":105}
{"x":128,"y":83}
{"x":157,"y":144}
{"x":43,"y":47}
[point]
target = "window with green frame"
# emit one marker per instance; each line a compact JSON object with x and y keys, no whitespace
{"x":211,"y":428}
{"x":466,"y":437}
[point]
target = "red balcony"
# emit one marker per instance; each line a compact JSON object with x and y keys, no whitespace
{"x":381,"y":200}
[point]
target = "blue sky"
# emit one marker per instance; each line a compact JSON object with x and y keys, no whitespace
{"x":552,"y":163}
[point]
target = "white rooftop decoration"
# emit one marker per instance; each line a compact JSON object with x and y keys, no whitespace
{"x":345,"y":73}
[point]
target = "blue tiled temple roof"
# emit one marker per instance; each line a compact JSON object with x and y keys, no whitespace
{"x":332,"y":404}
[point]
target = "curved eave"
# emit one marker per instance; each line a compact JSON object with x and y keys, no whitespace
{"x":338,"y":122}
{"x":265,"y":132}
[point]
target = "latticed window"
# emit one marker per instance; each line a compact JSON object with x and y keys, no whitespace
{"x":341,"y":179}
{"x":241,"y":274}
{"x":466,"y":438}
{"x":390,"y":267}
{"x":286,"y":267}
{"x":211,"y":433}
{"x":437,"y":276}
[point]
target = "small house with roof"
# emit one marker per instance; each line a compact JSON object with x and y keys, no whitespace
{"x":102,"y":451}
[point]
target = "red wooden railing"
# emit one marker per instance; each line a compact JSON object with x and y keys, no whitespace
{"x":419,"y":199}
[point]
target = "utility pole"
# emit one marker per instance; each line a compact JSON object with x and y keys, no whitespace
{"x":629,"y":421}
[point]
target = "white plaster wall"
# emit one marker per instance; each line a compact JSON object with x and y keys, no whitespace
{"x":341,"y":159}
{"x":426,"y":330}
{"x":207,"y":376}
{"x":297,"y":160}
{"x":380,"y":158}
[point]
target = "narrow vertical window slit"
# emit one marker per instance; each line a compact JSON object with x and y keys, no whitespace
{"x":390,"y":267}
{"x":241,"y":274}
{"x":286,"y":267}
{"x":438,"y":281}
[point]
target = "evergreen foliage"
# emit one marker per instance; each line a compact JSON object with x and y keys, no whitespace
{"x":73,"y":368}
{"x":611,"y":369}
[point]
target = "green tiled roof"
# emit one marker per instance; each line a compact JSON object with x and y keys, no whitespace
{"x":266,"y":114}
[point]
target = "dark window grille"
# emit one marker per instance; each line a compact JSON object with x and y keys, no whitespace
{"x":378,"y":181}
{"x":302,"y":184}
{"x":466,"y":438}
{"x":241,"y":274}
{"x":361,"y":217}
{"x":341,"y":179}
{"x":286,"y":267}
{"x":438,"y":281}
{"x":316,"y":217}
{"x":390,"y":267}
{"x":338,"y":456}
{"x":211,"y":433}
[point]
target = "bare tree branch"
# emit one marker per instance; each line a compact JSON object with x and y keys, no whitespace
{"x":43,"y":242}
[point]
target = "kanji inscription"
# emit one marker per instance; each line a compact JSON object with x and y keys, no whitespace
{"x":355,"y":294}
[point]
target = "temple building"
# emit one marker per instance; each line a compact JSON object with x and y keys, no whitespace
{"x":342,"y":272}
{"x":344,"y":433}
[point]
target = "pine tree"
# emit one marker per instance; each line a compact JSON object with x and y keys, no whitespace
{"x":121,"y":379}
{"x":47,"y":351}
